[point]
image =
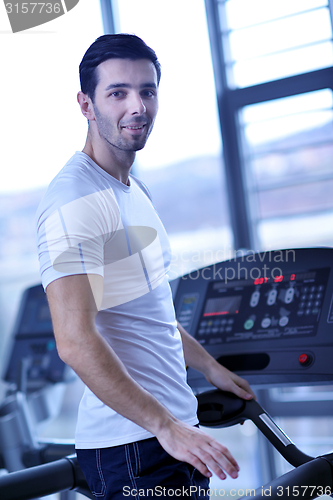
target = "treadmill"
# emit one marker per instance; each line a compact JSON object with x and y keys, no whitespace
{"x":249,"y":313}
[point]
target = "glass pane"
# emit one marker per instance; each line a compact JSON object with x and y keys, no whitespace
{"x":42,"y":130}
{"x":265,"y":41}
{"x":288,"y":148}
{"x":312,"y":435}
{"x":270,"y":131}
{"x":274,"y":67}
{"x":181,"y":163}
{"x":243,"y":13}
{"x":40,"y":104}
{"x":296,"y":199}
{"x":296,"y":232}
{"x":287,"y":33}
{"x":193,"y":211}
{"x":287,"y":122}
{"x":293,"y":165}
{"x":288,"y":105}
{"x":242,"y":441}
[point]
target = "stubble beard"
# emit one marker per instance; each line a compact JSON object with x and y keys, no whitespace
{"x":114,"y":140}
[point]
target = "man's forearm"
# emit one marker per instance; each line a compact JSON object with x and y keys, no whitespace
{"x":198,"y":358}
{"x":106,"y":376}
{"x":73,"y":309}
{"x":195,"y":355}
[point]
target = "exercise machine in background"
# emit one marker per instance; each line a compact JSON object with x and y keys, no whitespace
{"x":249,"y":313}
{"x":269,"y":317}
{"x":36,"y":380}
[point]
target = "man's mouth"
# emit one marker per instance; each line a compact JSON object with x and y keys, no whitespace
{"x":134,"y":127}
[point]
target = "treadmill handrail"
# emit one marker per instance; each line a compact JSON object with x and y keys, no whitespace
{"x":214,"y":411}
{"x":275,"y":434}
{"x":46,"y":479}
{"x":307,"y":481}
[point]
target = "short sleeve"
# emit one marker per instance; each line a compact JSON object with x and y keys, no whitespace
{"x":72,"y":237}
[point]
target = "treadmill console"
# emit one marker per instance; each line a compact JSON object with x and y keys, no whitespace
{"x":32,"y":352}
{"x":267,"y":316}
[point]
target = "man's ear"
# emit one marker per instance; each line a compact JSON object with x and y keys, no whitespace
{"x":86,"y":105}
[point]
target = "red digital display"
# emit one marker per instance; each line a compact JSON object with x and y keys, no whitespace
{"x":222,"y":305}
{"x":281,"y":277}
{"x":260,"y":281}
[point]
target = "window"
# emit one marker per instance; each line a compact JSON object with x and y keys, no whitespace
{"x":273,"y":72}
{"x":288,"y":150}
{"x":272,"y":40}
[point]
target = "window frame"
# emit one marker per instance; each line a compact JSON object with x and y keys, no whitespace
{"x":229,"y":102}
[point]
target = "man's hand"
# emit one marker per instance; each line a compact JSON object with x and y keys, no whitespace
{"x":226,"y":380}
{"x":191,"y":445}
{"x":198,"y":358}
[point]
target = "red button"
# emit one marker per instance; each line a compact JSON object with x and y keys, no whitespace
{"x":304,"y":359}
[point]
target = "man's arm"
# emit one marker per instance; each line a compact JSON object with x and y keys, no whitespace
{"x":73,"y":304}
{"x":198,"y":358}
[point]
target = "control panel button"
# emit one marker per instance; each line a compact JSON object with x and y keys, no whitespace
{"x":305,"y":359}
{"x":272,"y":297}
{"x":289,"y":295}
{"x":283,"y":321}
{"x":266,"y":322}
{"x":255,"y":299}
{"x":248,"y":324}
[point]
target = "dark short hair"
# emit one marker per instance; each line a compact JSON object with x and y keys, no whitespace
{"x":121,"y":46}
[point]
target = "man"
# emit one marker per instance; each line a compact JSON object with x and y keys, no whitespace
{"x":104,"y":257}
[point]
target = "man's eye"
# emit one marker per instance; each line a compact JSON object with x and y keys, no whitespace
{"x":117,"y":93}
{"x":149,"y":93}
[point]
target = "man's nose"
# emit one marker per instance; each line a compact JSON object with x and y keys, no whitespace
{"x":136,"y":105}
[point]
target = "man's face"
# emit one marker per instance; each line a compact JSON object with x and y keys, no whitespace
{"x":126,"y":102}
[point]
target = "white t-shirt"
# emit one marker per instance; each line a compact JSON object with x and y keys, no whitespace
{"x":89,"y":222}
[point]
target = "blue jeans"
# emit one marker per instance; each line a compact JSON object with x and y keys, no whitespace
{"x":140,"y":471}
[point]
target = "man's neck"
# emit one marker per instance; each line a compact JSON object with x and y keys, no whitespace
{"x":114,"y":161}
